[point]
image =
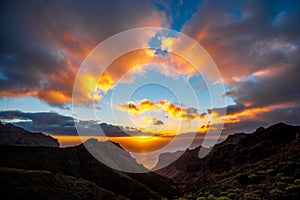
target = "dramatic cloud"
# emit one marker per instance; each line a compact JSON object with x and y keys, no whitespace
{"x":172,"y":110}
{"x":279,"y":88}
{"x":48,"y":122}
{"x":255,"y":44}
{"x":55,"y":124}
{"x":136,"y":62}
{"x":245,"y":37}
{"x":44,"y":43}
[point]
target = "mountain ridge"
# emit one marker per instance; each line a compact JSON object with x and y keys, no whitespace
{"x":13,"y":135}
{"x":236,"y":168}
{"x":238,"y":148}
{"x":264,"y":164}
{"x":79,"y":163}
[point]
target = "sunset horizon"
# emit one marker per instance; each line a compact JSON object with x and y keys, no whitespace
{"x":179,"y":90}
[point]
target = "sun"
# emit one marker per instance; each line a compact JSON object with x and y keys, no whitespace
{"x":144,"y":137}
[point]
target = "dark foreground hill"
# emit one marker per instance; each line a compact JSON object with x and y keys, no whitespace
{"x":29,"y":169}
{"x":35,"y":184}
{"x":261,"y":165}
{"x":12,"y":135}
{"x":78,"y":162}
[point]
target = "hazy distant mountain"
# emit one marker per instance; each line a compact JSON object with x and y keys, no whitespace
{"x":112,"y":154}
{"x":78,"y":162}
{"x":261,"y":165}
{"x":12,"y":135}
{"x":167,"y":158}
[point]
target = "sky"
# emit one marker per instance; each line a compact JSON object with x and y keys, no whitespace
{"x":254,"y":44}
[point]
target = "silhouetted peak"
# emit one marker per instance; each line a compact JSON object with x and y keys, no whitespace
{"x":95,"y":142}
{"x":260,"y":129}
{"x":13,"y":135}
{"x":92,"y":141}
{"x":234,"y":138}
{"x":9,"y":125}
{"x":278,"y":125}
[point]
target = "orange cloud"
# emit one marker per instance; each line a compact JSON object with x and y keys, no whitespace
{"x":72,"y":50}
{"x":136,"y":59}
{"x":62,"y":45}
{"x":19,"y":93}
{"x":204,"y":128}
{"x":106,"y":82}
{"x":138,"y":108}
{"x":54,"y":97}
{"x":262,"y":72}
{"x":88,"y":89}
{"x":68,"y":36}
{"x":252,"y":113}
{"x":89,"y":83}
{"x":173,"y":111}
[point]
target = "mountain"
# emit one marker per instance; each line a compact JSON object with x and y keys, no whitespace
{"x":261,"y":165}
{"x":112,"y":154}
{"x":176,"y":169}
{"x":167,"y":158}
{"x":234,"y":139}
{"x":79,"y":163}
{"x":264,"y":164}
{"x":12,"y":135}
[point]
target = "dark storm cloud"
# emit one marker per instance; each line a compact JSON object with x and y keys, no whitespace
{"x":256,"y":46}
{"x":56,"y":124}
{"x":49,"y":122}
{"x":245,"y":36}
{"x":44,"y":42}
{"x":289,"y":115}
{"x":231,"y":109}
{"x":279,"y":89}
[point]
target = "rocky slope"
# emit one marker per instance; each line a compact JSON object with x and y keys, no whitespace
{"x":261,"y":165}
{"x":227,"y":154}
{"x":12,"y":135}
{"x":78,"y":162}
